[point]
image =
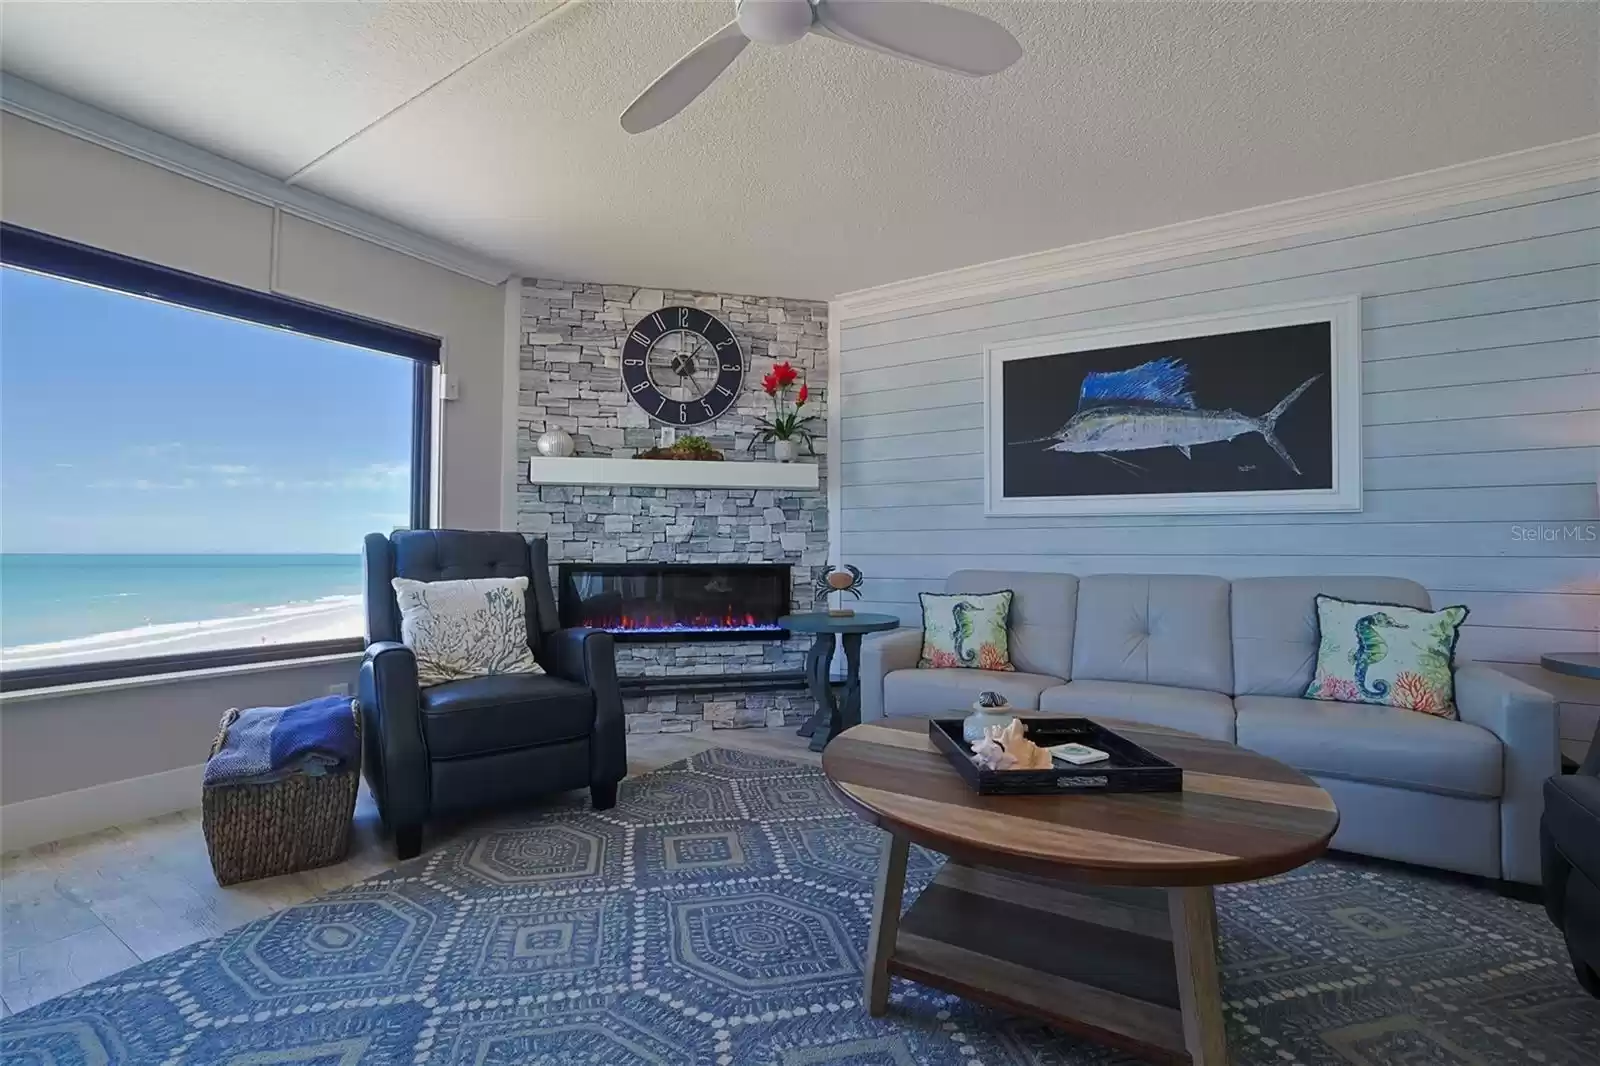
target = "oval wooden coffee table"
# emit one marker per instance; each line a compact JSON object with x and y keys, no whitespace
{"x":1090,"y":912}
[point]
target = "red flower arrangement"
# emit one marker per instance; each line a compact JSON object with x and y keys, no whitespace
{"x":779,"y":378}
{"x":787,"y":421}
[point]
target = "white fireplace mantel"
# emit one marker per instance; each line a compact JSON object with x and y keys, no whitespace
{"x":672,"y":473}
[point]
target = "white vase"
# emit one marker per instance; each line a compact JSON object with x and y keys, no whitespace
{"x":783,"y":451}
{"x":555,"y":443}
{"x":974,"y":725}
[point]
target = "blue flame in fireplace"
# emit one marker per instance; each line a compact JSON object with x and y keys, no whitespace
{"x":683,"y":627}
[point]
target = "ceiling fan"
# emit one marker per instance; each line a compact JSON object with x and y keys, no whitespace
{"x":936,"y":36}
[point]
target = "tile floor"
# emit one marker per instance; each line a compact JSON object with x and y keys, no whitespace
{"x":77,"y":910}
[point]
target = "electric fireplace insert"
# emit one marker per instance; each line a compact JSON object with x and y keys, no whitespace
{"x":661,"y":602}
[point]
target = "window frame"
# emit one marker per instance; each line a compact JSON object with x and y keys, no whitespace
{"x":42,"y":253}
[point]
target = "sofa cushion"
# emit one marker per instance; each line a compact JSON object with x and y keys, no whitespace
{"x":1275,"y":626}
{"x":953,"y":691}
{"x":468,"y":628}
{"x":1194,"y":710}
{"x":965,"y":630}
{"x":1378,"y":745}
{"x":1160,"y":629}
{"x":502,"y":712}
{"x":1388,"y":655}
{"x":1044,"y":608}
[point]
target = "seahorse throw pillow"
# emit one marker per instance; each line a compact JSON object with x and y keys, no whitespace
{"x":461,"y":629}
{"x":963,"y":630}
{"x":1380,"y":653}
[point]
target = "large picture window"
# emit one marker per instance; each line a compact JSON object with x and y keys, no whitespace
{"x":187,"y":469}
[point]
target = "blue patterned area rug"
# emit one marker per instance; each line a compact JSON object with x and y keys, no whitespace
{"x":718,"y":915}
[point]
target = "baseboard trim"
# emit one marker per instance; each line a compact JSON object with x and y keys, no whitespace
{"x":28,"y":823}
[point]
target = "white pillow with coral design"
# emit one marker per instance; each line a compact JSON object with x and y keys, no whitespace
{"x":469,"y":628}
{"x":1387,"y":654}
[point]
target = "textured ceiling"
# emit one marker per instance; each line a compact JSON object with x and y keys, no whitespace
{"x":817,"y":168}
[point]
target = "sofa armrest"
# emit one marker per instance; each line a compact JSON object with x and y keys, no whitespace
{"x":395,"y":755}
{"x":589,"y":657}
{"x":1524,"y":718}
{"x":882,"y":654}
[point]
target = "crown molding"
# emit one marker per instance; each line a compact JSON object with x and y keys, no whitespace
{"x":38,"y":104}
{"x":1481,"y":179}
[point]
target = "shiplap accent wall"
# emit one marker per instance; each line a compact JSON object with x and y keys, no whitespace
{"x":1480,"y":413}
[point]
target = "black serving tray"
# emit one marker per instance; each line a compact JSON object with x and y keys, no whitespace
{"x":1130,"y":768}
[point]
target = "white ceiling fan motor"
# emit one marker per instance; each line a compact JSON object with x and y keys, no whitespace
{"x":774,"y":21}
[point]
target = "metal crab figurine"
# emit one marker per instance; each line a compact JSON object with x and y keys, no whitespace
{"x":846,"y":580}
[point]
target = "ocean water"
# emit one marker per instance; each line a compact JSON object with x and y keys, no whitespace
{"x":46,"y":598}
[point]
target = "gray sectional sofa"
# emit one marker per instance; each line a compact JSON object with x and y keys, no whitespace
{"x":1229,"y":659}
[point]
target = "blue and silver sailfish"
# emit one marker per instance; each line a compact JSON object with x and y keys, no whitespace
{"x":1150,"y":406}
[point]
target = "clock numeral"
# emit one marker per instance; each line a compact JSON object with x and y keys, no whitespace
{"x":683,"y":317}
{"x":683,"y":412}
{"x":641,"y":386}
{"x":710,"y":413}
{"x":658,"y":322}
{"x":633,"y":362}
{"x":660,"y":405}
{"x":724,"y":390}
{"x":731,"y":366}
{"x":639,"y":337}
{"x":724,"y":343}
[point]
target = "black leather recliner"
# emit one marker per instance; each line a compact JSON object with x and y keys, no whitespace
{"x":1569,"y":838}
{"x":486,"y":740}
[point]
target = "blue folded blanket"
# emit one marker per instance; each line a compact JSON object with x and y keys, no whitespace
{"x":269,"y":743}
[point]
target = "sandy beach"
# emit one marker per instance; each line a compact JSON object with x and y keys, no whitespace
{"x":330,"y":618}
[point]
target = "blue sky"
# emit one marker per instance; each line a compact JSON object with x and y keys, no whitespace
{"x":128,"y":425}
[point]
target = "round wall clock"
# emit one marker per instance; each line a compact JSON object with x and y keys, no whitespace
{"x":682,"y":366}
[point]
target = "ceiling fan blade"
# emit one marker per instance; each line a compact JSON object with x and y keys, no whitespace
{"x":931,"y":34}
{"x":685,"y":80}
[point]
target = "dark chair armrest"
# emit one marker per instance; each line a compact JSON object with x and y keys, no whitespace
{"x":1569,"y":837}
{"x":589,"y":657}
{"x":1572,"y":818}
{"x":396,"y":755}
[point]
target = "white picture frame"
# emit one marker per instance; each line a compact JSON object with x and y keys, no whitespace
{"x":1343,"y":316}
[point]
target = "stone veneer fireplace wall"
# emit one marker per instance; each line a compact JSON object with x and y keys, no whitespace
{"x":571,"y":379}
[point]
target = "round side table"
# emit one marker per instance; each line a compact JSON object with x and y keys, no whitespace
{"x":1581,"y":664}
{"x":834,"y":717}
{"x":1573,"y":664}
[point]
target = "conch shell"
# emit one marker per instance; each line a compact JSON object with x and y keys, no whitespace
{"x":1006,"y":747}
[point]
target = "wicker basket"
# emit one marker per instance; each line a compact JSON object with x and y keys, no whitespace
{"x":262,"y":830}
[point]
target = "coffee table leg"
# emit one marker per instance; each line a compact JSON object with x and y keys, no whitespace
{"x":1194,"y":954}
{"x":885,"y":923}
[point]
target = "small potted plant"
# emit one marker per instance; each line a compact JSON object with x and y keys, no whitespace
{"x":788,"y":427}
{"x":685,"y":448}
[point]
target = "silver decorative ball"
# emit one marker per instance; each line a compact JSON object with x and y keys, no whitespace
{"x":556,"y":443}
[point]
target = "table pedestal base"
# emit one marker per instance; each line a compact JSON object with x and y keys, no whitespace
{"x":1134,"y":968}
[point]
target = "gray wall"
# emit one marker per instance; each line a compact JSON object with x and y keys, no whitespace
{"x":64,"y":185}
{"x":1481,"y":413}
{"x":53,"y":744}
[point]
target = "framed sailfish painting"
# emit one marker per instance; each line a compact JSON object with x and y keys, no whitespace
{"x":1248,"y":411}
